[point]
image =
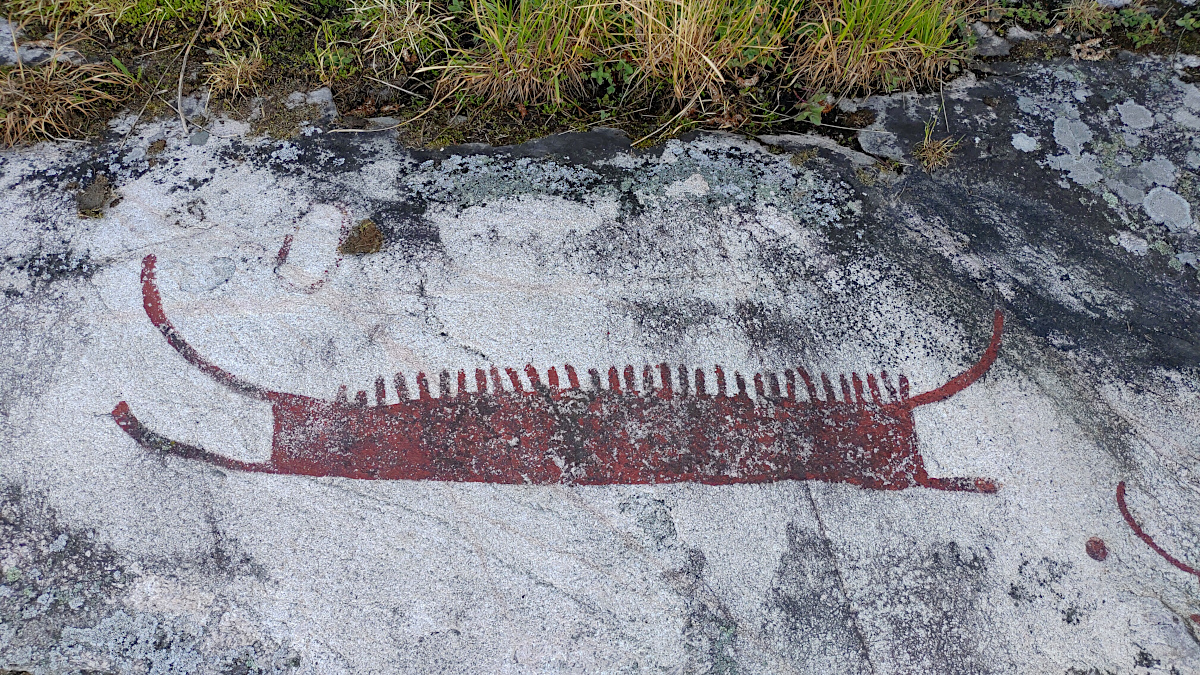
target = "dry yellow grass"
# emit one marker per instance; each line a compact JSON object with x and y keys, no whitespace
{"x":527,"y":51}
{"x":232,"y":74}
{"x":54,"y":100}
{"x":401,"y":35}
{"x":862,"y":46}
{"x":698,"y":45}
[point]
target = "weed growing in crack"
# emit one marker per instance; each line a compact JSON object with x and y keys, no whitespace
{"x":935,"y":153}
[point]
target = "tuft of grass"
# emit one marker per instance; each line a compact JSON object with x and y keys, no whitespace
{"x":1087,"y":16}
{"x":400,"y":35}
{"x":55,"y":99}
{"x":696,"y":47}
{"x":231,"y":74}
{"x":527,"y":51}
{"x":240,"y":16}
{"x":935,"y":153}
{"x":861,"y":46}
{"x":229,"y":17}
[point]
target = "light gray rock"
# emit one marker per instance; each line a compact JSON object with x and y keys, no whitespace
{"x":1025,"y":142}
{"x":987,"y":42}
{"x":1072,"y":134}
{"x":1135,"y":116}
{"x":1169,"y":208}
{"x":1015,"y":33}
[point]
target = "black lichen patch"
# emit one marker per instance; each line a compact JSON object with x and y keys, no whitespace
{"x":654,"y":518}
{"x":663,"y":323}
{"x":775,"y":336}
{"x":46,"y":267}
{"x":404,"y":226}
{"x":1043,"y":581}
{"x":809,"y":619}
{"x":1144,"y":659}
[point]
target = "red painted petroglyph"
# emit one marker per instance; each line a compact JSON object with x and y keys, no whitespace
{"x":1145,"y":537}
{"x":672,"y":429}
{"x":286,"y":249}
{"x":1096,"y":549}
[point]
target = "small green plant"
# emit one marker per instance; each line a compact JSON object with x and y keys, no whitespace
{"x":1189,"y":21}
{"x":1141,"y":28}
{"x":812,"y":109}
{"x":334,"y":54}
{"x":1030,"y":14}
{"x":611,"y":76}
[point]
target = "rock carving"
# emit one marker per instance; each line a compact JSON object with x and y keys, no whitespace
{"x":674,"y":429}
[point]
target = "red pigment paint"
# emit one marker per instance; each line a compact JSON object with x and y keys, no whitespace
{"x":1096,"y":549}
{"x":1145,"y":537}
{"x":672,"y":429}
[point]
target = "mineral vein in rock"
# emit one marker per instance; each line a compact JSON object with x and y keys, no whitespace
{"x":670,"y":430}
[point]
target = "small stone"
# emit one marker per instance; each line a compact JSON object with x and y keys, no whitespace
{"x":294,"y":100}
{"x":199,"y":138}
{"x":458,"y":120}
{"x":1096,"y":549}
{"x":1018,"y":34}
{"x":988,"y":43}
{"x":90,"y":203}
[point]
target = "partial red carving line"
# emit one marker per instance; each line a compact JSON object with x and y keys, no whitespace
{"x":672,"y":429}
{"x":1145,"y":537}
{"x":286,"y":249}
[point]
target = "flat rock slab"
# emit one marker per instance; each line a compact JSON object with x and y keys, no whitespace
{"x":719,"y":406}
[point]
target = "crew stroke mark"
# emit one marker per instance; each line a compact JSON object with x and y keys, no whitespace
{"x":671,"y":430}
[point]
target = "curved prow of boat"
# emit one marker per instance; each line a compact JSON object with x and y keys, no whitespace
{"x":152,"y":302}
{"x":967,"y":378}
{"x":152,"y":441}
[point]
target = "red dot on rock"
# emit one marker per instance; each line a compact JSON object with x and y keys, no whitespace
{"x":1195,"y":618}
{"x":1096,"y":549}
